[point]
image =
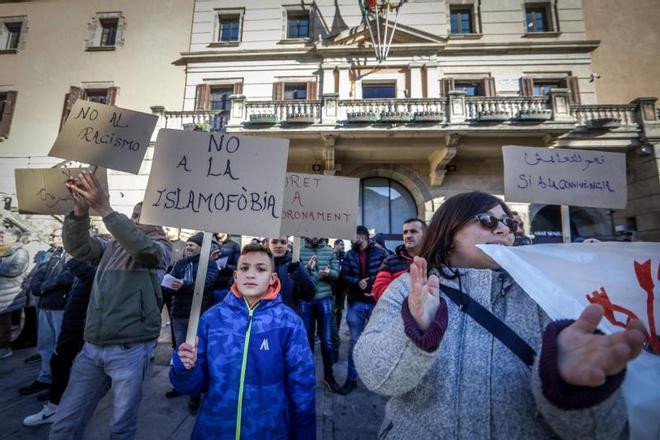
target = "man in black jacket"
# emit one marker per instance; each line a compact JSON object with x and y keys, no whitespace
{"x":51,"y":287}
{"x":70,"y":340}
{"x":358,"y":274}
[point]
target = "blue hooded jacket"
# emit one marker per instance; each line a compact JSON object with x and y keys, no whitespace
{"x":256,"y":370}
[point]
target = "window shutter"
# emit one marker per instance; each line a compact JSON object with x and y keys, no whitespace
{"x":527,"y":86}
{"x":311,"y":90}
{"x":202,"y":97}
{"x":335,"y":75}
{"x":75,"y":93}
{"x":7,"y":113}
{"x":278,"y":91}
{"x":571,"y":83}
{"x":425,"y":82}
{"x":446,"y":86}
{"x":238,"y":88}
{"x":111,"y":96}
{"x":488,"y":86}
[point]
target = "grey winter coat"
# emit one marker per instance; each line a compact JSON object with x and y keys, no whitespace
{"x":13,"y":268}
{"x":472,"y":386}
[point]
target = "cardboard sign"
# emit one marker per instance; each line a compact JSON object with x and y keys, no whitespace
{"x":320,"y":206}
{"x":42,"y":190}
{"x":105,"y":135}
{"x":216,"y":182}
{"x":624,"y":278}
{"x":565,"y":177}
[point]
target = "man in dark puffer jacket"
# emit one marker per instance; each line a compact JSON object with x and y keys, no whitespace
{"x":70,"y":340}
{"x":358,"y":273}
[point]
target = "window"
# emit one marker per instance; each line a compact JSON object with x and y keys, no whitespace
{"x":229,"y":28}
{"x":7,"y":104}
{"x":461,"y":20}
{"x":220,"y":98}
{"x":108,"y":31}
{"x":378,"y":91}
{"x":295,"y":91}
{"x":13,"y":35}
{"x":537,"y":19}
{"x":100,"y":96}
{"x":383,"y":206}
{"x":542,"y":87}
{"x":471,"y":88}
{"x":297,"y":24}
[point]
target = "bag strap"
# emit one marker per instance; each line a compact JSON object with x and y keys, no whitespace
{"x":492,"y":324}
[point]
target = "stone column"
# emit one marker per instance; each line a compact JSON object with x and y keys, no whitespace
{"x":415,"y":80}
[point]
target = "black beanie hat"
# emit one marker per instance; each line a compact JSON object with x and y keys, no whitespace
{"x":198,"y":238}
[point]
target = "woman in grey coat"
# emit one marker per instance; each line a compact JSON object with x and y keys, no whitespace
{"x":14,"y":261}
{"x":448,"y":377}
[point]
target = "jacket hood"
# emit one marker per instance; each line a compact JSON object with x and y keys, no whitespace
{"x":402,"y":252}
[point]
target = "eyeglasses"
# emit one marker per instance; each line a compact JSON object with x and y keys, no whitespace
{"x":489,"y":221}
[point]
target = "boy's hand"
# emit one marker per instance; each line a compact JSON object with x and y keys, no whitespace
{"x":177,"y":284}
{"x":324,"y":273}
{"x":363,"y":283}
{"x":188,"y":354}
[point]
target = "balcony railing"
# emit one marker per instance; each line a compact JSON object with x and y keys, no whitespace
{"x":608,"y":115}
{"x":504,"y":108}
{"x":332,"y":113}
{"x":289,"y":111}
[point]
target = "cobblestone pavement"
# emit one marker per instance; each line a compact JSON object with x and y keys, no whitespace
{"x":352,"y":417}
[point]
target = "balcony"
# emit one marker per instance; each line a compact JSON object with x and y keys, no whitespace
{"x":454,"y":112}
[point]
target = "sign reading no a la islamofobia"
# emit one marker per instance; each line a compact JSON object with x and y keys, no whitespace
{"x":320,"y":206}
{"x":565,"y":177}
{"x":216,"y":182}
{"x":105,"y":135}
{"x":42,"y":190}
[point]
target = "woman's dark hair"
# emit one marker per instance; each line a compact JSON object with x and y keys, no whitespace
{"x":454,"y":213}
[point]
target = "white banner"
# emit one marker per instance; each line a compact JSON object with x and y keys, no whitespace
{"x":623,"y":277}
{"x":565,"y":177}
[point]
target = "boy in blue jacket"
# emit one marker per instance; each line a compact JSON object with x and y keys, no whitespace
{"x":251,"y":360}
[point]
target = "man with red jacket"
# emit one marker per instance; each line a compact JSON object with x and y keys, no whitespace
{"x":398,"y":263}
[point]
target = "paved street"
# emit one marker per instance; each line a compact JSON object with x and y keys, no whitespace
{"x":356,"y":416}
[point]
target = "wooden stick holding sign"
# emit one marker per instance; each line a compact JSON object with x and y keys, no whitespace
{"x":295,"y":252}
{"x":566,"y":223}
{"x":200,"y":284}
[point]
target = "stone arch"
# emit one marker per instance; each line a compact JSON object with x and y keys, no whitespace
{"x":405,"y":176}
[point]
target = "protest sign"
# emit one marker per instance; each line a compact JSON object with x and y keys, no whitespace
{"x":216,"y":182}
{"x":565,"y":177}
{"x":105,"y":135}
{"x":622,"y":277}
{"x":42,"y":190}
{"x":320,"y":206}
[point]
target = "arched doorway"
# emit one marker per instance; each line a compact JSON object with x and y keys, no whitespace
{"x":383,"y":206}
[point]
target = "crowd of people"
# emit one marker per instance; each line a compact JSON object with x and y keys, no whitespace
{"x":428,"y":326}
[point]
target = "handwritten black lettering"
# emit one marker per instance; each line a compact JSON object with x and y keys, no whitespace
{"x":184,"y":163}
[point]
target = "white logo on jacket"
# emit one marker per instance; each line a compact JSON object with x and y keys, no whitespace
{"x":264,"y":345}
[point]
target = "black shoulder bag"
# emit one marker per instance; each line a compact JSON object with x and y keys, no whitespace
{"x":492,"y":324}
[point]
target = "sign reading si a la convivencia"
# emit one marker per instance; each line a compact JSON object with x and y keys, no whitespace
{"x":565,"y":177}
